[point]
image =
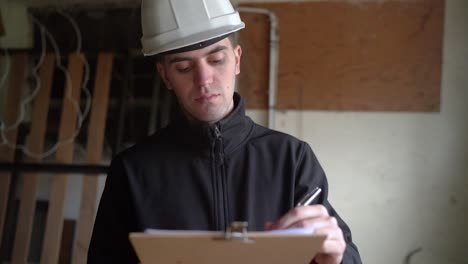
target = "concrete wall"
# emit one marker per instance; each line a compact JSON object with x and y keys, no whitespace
{"x":401,"y":179}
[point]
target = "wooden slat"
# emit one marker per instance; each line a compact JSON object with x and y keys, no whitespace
{"x":2,"y":29}
{"x":68,"y":235}
{"x":15,"y":88}
{"x":94,"y":149}
{"x":36,"y":145}
{"x":54,"y":224}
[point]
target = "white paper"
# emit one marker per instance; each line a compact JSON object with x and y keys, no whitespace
{"x":291,"y":231}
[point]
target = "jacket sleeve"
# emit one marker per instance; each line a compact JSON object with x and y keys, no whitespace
{"x":114,"y":221}
{"x":310,"y":175}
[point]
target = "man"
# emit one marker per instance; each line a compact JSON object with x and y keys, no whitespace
{"x":211,"y":165}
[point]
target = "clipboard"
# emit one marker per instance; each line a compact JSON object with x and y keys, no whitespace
{"x":235,"y":246}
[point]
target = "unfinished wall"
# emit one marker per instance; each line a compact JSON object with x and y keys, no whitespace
{"x":401,"y":179}
{"x":338,"y":55}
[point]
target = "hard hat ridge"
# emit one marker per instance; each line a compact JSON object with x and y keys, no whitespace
{"x":174,"y":24}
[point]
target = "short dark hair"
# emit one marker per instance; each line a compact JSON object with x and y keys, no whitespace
{"x":233,"y":38}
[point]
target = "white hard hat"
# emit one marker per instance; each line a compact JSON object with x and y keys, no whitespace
{"x":172,"y":24}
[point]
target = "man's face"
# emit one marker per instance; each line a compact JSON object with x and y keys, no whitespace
{"x":203,"y":80}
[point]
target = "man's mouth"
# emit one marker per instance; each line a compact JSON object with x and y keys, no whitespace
{"x":206,"y":98}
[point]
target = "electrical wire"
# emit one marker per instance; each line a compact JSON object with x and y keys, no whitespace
{"x":75,"y":26}
{"x":4,"y":78}
{"x":44,"y":34}
{"x":36,"y":89}
{"x":79,"y":44}
{"x":80,"y":115}
{"x":7,"y":69}
{"x":26,"y":100}
{"x":87,"y":71}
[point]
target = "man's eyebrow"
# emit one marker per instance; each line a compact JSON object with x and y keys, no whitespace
{"x":217,"y":49}
{"x":179,"y":59}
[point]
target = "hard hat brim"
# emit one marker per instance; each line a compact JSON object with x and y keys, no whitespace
{"x":196,"y":46}
{"x":150,"y":43}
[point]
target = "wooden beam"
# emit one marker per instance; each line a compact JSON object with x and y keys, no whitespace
{"x":96,"y":131}
{"x":36,"y":145}
{"x":64,"y":154}
{"x":15,"y":88}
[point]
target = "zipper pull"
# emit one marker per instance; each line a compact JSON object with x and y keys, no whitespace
{"x":217,"y":132}
{"x":219,"y":144}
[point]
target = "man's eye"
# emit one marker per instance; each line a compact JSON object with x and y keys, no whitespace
{"x":183,"y":70}
{"x":217,"y":61}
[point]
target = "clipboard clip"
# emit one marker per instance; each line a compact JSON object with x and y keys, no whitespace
{"x":237,"y":230}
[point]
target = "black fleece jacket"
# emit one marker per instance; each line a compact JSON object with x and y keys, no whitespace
{"x":202,"y":177}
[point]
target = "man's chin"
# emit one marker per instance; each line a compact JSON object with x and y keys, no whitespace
{"x":208,"y":114}
{"x":209,"y":117}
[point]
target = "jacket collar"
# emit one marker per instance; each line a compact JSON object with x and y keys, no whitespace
{"x":200,"y":137}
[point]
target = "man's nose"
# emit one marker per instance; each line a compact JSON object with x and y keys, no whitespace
{"x":203,"y":74}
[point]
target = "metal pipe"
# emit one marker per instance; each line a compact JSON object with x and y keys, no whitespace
{"x":274,"y":58}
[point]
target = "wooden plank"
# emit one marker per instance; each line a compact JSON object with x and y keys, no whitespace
{"x":346,"y":56}
{"x":94,"y":148}
{"x":64,"y":154}
{"x":36,"y":145}
{"x":15,"y":88}
{"x":68,"y":235}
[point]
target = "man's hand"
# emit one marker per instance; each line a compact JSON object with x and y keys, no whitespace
{"x":316,"y":216}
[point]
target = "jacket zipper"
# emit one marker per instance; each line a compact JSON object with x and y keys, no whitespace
{"x":219,"y":180}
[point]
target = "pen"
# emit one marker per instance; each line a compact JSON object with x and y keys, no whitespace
{"x":309,"y":197}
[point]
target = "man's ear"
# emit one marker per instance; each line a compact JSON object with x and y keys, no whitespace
{"x":162,"y":73}
{"x":237,"y":55}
